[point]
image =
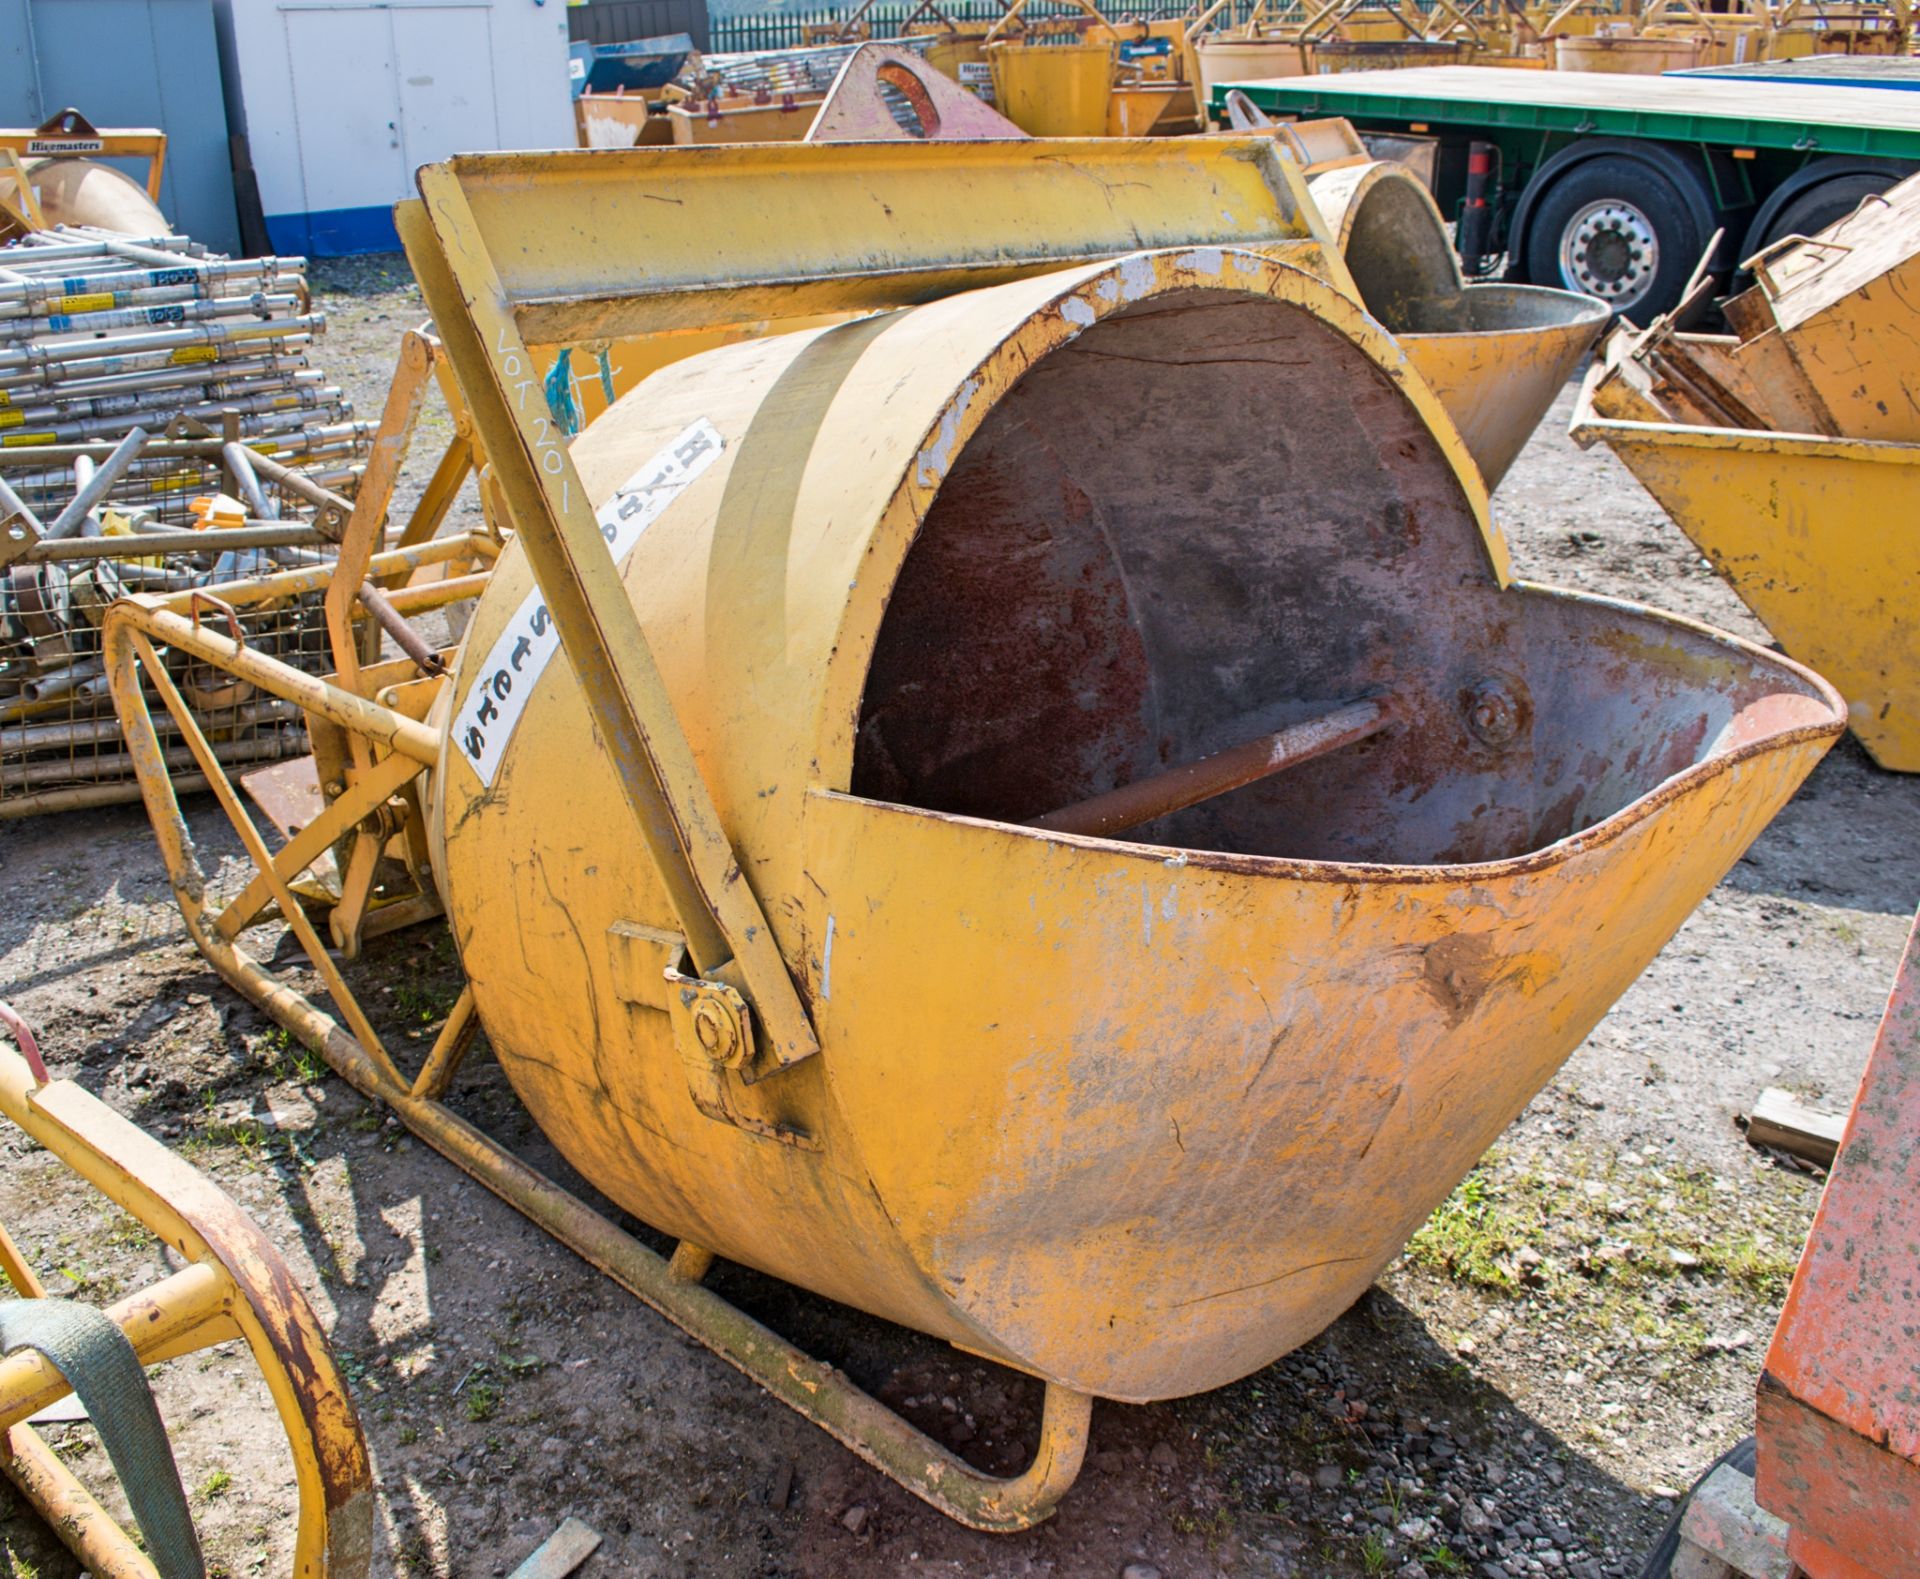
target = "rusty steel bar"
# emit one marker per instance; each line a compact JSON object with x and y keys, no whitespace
{"x":23,"y":1038}
{"x":393,"y":730}
{"x":232,"y":752}
{"x":1193,"y":782}
{"x":71,"y":680}
{"x":212,"y":540}
{"x":394,"y":623}
{"x":84,"y":797}
{"x":86,"y":1529}
{"x":18,"y":738}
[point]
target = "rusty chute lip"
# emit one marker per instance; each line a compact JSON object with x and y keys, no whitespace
{"x":1610,"y":828}
{"x":1596,"y":311}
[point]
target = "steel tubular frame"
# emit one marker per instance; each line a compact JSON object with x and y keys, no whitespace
{"x":235,"y":1285}
{"x":489,"y":316}
{"x":392,"y":748}
{"x":355,"y":1052}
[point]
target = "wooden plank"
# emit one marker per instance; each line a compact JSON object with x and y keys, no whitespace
{"x":1782,"y":1120}
{"x":561,"y":1552}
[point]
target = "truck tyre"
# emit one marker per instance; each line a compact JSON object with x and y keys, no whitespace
{"x":1615,"y":228}
{"x":1819,"y":206}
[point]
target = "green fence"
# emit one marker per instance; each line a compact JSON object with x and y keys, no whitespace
{"x":787,"y":29}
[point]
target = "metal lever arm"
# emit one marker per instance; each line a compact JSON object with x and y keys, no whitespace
{"x":718,"y":912}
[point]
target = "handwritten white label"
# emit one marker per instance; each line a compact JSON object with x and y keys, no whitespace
{"x":521,"y":652}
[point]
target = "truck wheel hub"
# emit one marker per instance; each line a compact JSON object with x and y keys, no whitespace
{"x":1608,"y":250}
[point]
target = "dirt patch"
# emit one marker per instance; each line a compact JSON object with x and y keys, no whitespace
{"x":1572,"y":1338}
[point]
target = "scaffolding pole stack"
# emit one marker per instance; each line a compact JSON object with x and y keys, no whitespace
{"x":773,"y":71}
{"x":136,"y":378}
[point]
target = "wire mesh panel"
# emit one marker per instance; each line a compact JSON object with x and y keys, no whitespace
{"x":137,"y":377}
{"x":60,"y":741}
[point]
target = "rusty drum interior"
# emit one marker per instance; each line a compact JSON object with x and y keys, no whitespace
{"x":1208,"y":518}
{"x":1398,"y":251}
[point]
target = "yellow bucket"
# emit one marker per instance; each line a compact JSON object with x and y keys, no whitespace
{"x":1621,"y":56}
{"x":1496,"y":355}
{"x":743,"y":119}
{"x":1231,"y":60}
{"x":1152,"y":109}
{"x":1054,"y":90}
{"x":618,"y":120}
{"x":963,"y":57}
{"x":1811,"y":533}
{"x":1135,"y":1111}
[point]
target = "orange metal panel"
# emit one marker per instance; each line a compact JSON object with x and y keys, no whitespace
{"x":1839,"y":1413}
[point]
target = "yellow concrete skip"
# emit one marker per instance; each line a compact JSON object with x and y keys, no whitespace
{"x":1496,"y":355}
{"x":1813,"y":534}
{"x":1134,"y":1116}
{"x":1038,"y":811}
{"x":1841,"y":304}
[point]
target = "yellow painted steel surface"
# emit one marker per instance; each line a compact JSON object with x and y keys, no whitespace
{"x":766,"y":234}
{"x":743,"y":119}
{"x":1621,"y":56}
{"x":233,"y":1285}
{"x":1232,"y":58}
{"x":1814,"y":535}
{"x":614,"y":120}
{"x":1136,"y":109}
{"x":871,"y":239}
{"x":954,"y":50}
{"x":1500,"y":370}
{"x":1830,"y":297}
{"x":1496,"y":355}
{"x":1054,"y":90}
{"x":1134,"y":1116}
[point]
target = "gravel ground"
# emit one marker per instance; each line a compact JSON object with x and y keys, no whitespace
{"x":1564,"y":1346}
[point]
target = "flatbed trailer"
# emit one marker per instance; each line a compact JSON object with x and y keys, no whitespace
{"x":1614,"y":184}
